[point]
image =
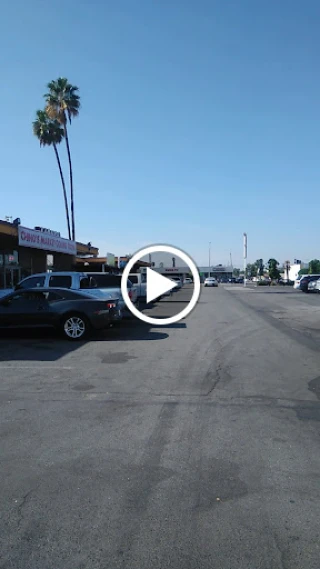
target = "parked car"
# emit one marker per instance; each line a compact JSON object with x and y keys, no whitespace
{"x":240,"y":280}
{"x":232,"y":280}
{"x":305,"y":280}
{"x":286,"y":282}
{"x":264,"y":282}
{"x":188,"y":281}
{"x":67,"y":279}
{"x":100,"y":285}
{"x":317,"y":285}
{"x":297,"y":283}
{"x":224,"y":280}
{"x":107,"y":283}
{"x":139,"y":281}
{"x":5,"y":291}
{"x":211,"y":281}
{"x":312,"y":286}
{"x":74,"y":313}
{"x":178,"y":282}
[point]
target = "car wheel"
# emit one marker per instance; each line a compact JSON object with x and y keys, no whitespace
{"x":75,"y":327}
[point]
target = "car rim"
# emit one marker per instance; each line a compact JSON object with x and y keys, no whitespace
{"x":74,"y":327}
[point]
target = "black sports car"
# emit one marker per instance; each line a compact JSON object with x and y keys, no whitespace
{"x":74,"y":313}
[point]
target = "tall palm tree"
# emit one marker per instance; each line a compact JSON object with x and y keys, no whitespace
{"x":62,"y":104}
{"x":50,"y":133}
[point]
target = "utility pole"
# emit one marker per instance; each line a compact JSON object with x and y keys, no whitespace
{"x":245,"y":248}
{"x":287,"y":267}
{"x":209,"y":257}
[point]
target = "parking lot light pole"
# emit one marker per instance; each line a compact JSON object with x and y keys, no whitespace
{"x":245,"y":259}
{"x":209,"y":257}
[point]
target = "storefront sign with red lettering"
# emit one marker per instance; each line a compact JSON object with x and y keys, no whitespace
{"x":45,"y":241}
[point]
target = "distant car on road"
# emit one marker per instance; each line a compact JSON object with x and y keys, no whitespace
{"x":187,"y":281}
{"x":73,"y":313}
{"x":286,"y":282}
{"x":211,"y":281}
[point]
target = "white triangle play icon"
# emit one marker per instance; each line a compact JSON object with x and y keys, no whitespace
{"x":157,"y":285}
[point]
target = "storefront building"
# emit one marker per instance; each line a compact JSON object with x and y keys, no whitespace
{"x":217,"y":271}
{"x":25,"y":251}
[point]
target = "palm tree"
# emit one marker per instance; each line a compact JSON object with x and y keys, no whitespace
{"x":62,"y":104}
{"x":50,"y":133}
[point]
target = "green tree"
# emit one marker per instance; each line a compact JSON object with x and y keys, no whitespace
{"x":63,"y":104}
{"x":274,"y":272}
{"x":314,"y":267}
{"x":251,"y":270}
{"x":303,"y":272}
{"x":50,"y":133}
{"x":236,"y":272}
{"x":260,"y":267}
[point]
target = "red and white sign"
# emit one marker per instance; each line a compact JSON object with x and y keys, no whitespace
{"x":40,"y":240}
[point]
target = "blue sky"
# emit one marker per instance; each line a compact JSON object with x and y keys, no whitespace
{"x":199,"y":120}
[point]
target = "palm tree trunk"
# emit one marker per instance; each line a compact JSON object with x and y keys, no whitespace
{"x":64,"y":189}
{"x":71,"y":182}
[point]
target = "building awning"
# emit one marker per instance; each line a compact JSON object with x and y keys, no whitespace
{"x":9,"y":239}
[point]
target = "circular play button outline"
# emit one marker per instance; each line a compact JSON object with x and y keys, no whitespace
{"x":196,"y":284}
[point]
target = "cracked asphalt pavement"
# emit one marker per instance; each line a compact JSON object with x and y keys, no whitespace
{"x":192,"y":446}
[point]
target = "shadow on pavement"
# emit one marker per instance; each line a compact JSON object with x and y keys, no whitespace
{"x":134,"y":332}
{"x":47,"y":345}
{"x":34,"y":345}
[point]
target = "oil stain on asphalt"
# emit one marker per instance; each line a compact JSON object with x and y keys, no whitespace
{"x":116,"y":358}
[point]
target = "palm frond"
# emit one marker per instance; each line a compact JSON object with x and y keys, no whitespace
{"x":62,"y":100}
{"x":46,"y":130}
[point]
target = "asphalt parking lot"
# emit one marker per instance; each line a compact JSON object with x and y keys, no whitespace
{"x":188,"y":446}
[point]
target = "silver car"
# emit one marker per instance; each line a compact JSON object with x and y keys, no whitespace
{"x":314,"y":286}
{"x":210,"y":281}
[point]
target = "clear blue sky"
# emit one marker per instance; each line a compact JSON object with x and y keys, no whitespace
{"x":199,"y":120}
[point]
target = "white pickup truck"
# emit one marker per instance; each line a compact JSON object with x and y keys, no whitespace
{"x":139,"y":280}
{"x":101,"y":285}
{"x":106,"y":282}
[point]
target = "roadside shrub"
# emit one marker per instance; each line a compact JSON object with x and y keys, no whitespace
{"x":263,"y":283}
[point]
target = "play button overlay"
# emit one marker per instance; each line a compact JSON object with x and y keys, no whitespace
{"x":158,"y":285}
